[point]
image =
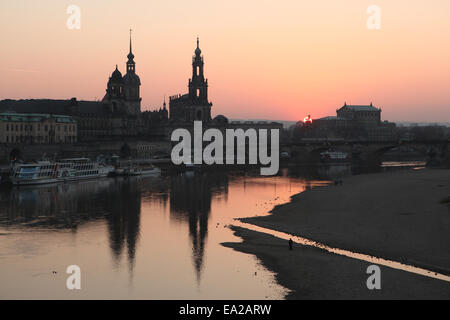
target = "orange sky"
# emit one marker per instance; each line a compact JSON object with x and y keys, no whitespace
{"x":264,"y":59}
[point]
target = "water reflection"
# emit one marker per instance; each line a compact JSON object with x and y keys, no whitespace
{"x":123,"y":212}
{"x":190,"y":201}
{"x":165,"y":232}
{"x":53,"y":206}
{"x":118,"y":202}
{"x":334,"y":172}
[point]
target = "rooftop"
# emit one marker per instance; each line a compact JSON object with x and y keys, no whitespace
{"x":51,"y":106}
{"x":33,"y":117}
{"x":360,"y":107}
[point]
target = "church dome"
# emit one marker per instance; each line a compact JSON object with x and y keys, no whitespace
{"x":220,"y":119}
{"x":116,"y":76}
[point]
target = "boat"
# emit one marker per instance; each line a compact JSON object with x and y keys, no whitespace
{"x":44,"y":172}
{"x":40,"y":172}
{"x":131,"y":171}
{"x":333,"y":156}
{"x":81,"y":169}
{"x":284,"y":155}
{"x":153,"y":171}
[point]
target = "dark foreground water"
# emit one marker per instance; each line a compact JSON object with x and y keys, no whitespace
{"x":150,"y":238}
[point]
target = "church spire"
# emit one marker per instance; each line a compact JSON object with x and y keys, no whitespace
{"x":198,"y":85}
{"x":197,"y":50}
{"x":130,"y":55}
{"x":130,"y":63}
{"x":131,"y":51}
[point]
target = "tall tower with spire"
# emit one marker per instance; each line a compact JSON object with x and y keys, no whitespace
{"x":198,"y":85}
{"x":131,"y":87}
{"x":194,"y":105}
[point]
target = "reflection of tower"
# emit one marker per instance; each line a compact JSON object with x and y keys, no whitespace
{"x":124,"y":207}
{"x":190,"y":199}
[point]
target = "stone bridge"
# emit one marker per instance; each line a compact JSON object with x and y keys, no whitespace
{"x":435,"y":150}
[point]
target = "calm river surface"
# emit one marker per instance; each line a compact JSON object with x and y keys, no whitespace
{"x":142,"y":238}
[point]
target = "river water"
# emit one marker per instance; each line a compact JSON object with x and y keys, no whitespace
{"x":143,"y":238}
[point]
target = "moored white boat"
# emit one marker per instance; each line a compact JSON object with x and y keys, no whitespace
{"x":81,"y":169}
{"x":332,"y":156}
{"x":135,"y":171}
{"x":43,"y":172}
{"x":151,"y":171}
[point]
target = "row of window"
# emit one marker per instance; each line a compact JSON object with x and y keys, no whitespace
{"x":49,"y":167}
{"x":30,"y":127}
{"x":84,"y":167}
{"x":95,"y":123}
{"x":46,"y":174}
{"x":86,"y":173}
{"x":39,"y":139}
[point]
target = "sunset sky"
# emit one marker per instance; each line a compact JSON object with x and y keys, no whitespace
{"x":264,"y":59}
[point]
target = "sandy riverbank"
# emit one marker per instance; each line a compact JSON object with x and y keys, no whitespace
{"x":397,"y":215}
{"x":311,"y":273}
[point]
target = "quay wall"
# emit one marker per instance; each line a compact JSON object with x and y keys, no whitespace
{"x":123,"y":148}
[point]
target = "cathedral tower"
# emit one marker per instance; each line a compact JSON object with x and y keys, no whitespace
{"x":194,"y":105}
{"x":131,"y":86}
{"x":198,"y":85}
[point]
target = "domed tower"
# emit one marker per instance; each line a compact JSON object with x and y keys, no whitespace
{"x":114,"y":91}
{"x":131,"y":87}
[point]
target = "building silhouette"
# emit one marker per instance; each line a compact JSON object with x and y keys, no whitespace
{"x":35,"y":128}
{"x":123,"y":93}
{"x":193,"y":106}
{"x":360,"y":122}
{"x":117,"y":115}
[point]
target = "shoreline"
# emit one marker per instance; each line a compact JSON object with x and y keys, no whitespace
{"x":397,"y":216}
{"x":310,"y":273}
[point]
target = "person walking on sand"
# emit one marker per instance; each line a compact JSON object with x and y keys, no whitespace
{"x":291,"y":243}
